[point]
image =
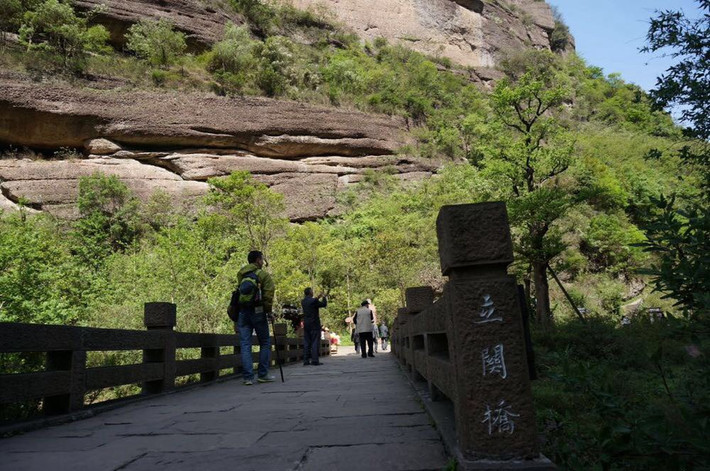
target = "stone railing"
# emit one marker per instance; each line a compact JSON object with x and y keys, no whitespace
{"x":469,"y":345}
{"x":66,"y":380}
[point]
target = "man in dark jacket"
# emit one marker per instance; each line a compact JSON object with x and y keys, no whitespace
{"x":311,"y":326}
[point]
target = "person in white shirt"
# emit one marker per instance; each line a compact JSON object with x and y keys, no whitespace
{"x":363,"y":319}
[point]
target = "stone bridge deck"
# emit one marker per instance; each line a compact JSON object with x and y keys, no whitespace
{"x":349,"y":414}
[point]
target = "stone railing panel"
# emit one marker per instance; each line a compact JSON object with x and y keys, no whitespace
{"x":64,"y":384}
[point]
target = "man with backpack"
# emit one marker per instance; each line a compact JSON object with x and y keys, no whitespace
{"x":255,"y":299}
{"x":311,"y":326}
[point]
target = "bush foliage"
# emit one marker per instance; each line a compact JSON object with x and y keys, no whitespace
{"x":53,"y":29}
{"x":156,"y":42}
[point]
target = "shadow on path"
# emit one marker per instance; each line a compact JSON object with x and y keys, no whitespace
{"x":348,"y":414}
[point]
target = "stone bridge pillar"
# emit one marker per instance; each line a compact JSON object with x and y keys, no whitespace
{"x":161,"y":317}
{"x":494,"y":412}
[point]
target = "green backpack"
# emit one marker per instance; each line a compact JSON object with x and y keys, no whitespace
{"x":250,"y":290}
{"x":248,"y":294}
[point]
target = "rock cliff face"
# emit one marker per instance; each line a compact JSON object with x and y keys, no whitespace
{"x":201,"y":20}
{"x":470,"y":32}
{"x":175,"y":141}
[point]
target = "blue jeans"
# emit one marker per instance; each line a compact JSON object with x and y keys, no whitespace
{"x":311,"y":343}
{"x":248,"y":322}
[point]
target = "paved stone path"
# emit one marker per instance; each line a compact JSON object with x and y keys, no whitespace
{"x":349,"y":414}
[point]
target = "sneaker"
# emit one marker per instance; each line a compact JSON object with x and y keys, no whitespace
{"x":306,"y":363}
{"x":317,"y":364}
{"x":266,"y":379}
{"x":248,"y":382}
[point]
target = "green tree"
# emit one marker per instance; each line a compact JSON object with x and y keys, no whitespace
{"x":679,"y":233}
{"x":156,"y":42}
{"x":109,"y":219}
{"x":685,"y":83}
{"x":251,"y":207}
{"x":610,"y":243}
{"x":10,"y":16}
{"x":187,"y":263}
{"x":36,"y":274}
{"x":529,"y":148}
{"x":312,"y":255}
{"x":54,"y":27}
{"x":681,"y":238}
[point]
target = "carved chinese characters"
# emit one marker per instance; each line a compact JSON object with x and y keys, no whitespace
{"x":487,"y":311}
{"x":494,"y":361}
{"x":494,"y":411}
{"x":500,"y":418}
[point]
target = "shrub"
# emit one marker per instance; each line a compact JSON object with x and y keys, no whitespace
{"x":54,"y":28}
{"x":34,"y":266}
{"x":232,"y":60}
{"x":611,"y":295}
{"x":258,"y":13}
{"x":159,"y":77}
{"x":156,"y":42}
{"x":559,"y":37}
{"x":631,"y":397}
{"x":235,"y":52}
{"x":276,"y":59}
{"x":292,"y":17}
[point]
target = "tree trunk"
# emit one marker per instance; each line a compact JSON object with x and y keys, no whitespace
{"x":542,"y":295}
{"x":527,"y":283}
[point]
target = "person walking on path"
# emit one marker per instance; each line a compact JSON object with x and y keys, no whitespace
{"x":373,"y":308}
{"x":363,"y":319}
{"x":375,"y":334}
{"x":356,"y":340}
{"x":384,"y":335}
{"x":254,"y":313}
{"x":311,"y":326}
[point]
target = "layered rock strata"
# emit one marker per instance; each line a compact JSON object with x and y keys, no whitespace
{"x":473,"y":33}
{"x":174,"y":142}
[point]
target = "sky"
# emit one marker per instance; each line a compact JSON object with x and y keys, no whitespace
{"x":609,"y":34}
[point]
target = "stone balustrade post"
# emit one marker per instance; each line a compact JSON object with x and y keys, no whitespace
{"x":495,"y":418}
{"x":403,"y":335}
{"x":73,"y":361}
{"x":161,"y":317}
{"x":211,"y":353}
{"x":417,"y":299}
